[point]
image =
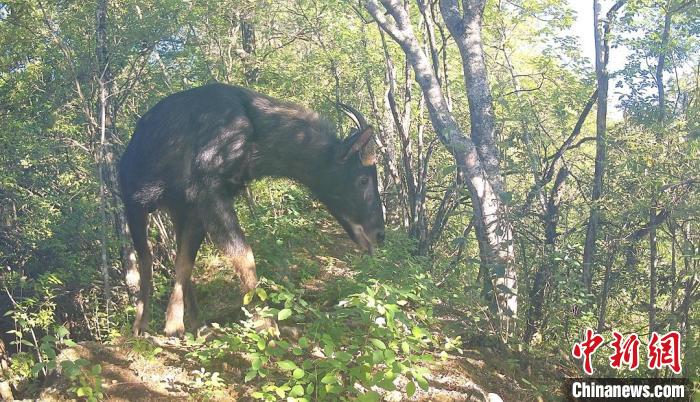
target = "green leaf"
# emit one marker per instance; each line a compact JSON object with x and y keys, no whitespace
{"x":329,"y":378}
{"x":410,"y":389}
{"x":304,"y":342}
{"x":387,"y":384}
{"x":343,"y":356}
{"x":61,"y":331}
{"x":298,"y":374}
{"x":377,"y":343}
{"x":422,"y":382}
{"x":287,"y":365}
{"x":37,"y":368}
{"x":377,"y":357}
{"x":284,"y":314}
{"x":262,"y":294}
{"x":297,"y":390}
{"x":250,"y":375}
{"x":389,"y":356}
{"x":248,"y":298}
{"x":419,"y":332}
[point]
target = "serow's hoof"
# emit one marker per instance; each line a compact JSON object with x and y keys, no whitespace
{"x":175,"y":330}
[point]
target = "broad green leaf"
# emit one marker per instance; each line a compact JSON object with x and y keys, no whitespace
{"x":284,"y":314}
{"x":329,"y":378}
{"x":410,"y":389}
{"x":422,"y":382}
{"x":250,"y":375}
{"x":287,"y":365}
{"x":297,"y":390}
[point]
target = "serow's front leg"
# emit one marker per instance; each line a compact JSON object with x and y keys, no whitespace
{"x":188,"y":243}
{"x":221,"y":223}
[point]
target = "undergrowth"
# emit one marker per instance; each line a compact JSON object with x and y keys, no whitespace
{"x":355,"y":348}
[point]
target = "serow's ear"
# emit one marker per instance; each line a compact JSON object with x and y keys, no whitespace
{"x":363,"y":142}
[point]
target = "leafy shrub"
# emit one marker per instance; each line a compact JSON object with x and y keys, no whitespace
{"x":351,"y":349}
{"x":34,"y":316}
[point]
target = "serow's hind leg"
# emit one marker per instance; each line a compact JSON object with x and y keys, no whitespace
{"x":190,"y":234}
{"x":137,"y":220}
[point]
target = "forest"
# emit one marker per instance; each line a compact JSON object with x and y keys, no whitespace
{"x":538,"y":168}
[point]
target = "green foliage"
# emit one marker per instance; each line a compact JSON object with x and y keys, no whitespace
{"x":33,"y":316}
{"x":85,"y":377}
{"x":144,"y":348}
{"x":364,"y":341}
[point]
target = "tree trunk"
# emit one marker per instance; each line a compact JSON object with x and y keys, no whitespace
{"x":652,"y":271}
{"x":249,"y":44}
{"x":493,"y":228}
{"x":652,"y":211}
{"x":467,"y":35}
{"x":102,"y":113}
{"x":602,"y":53}
{"x":395,"y":128}
{"x":385,"y":143}
{"x":674,"y":284}
{"x":495,"y":236}
{"x":690,"y":288}
{"x":661,"y":63}
{"x":606,"y":291}
{"x":107,"y":157}
{"x":545,"y":271}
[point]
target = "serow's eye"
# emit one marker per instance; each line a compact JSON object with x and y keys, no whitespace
{"x":364,"y":180}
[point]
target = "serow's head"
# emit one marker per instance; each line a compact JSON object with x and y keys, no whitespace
{"x":350,"y":190}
